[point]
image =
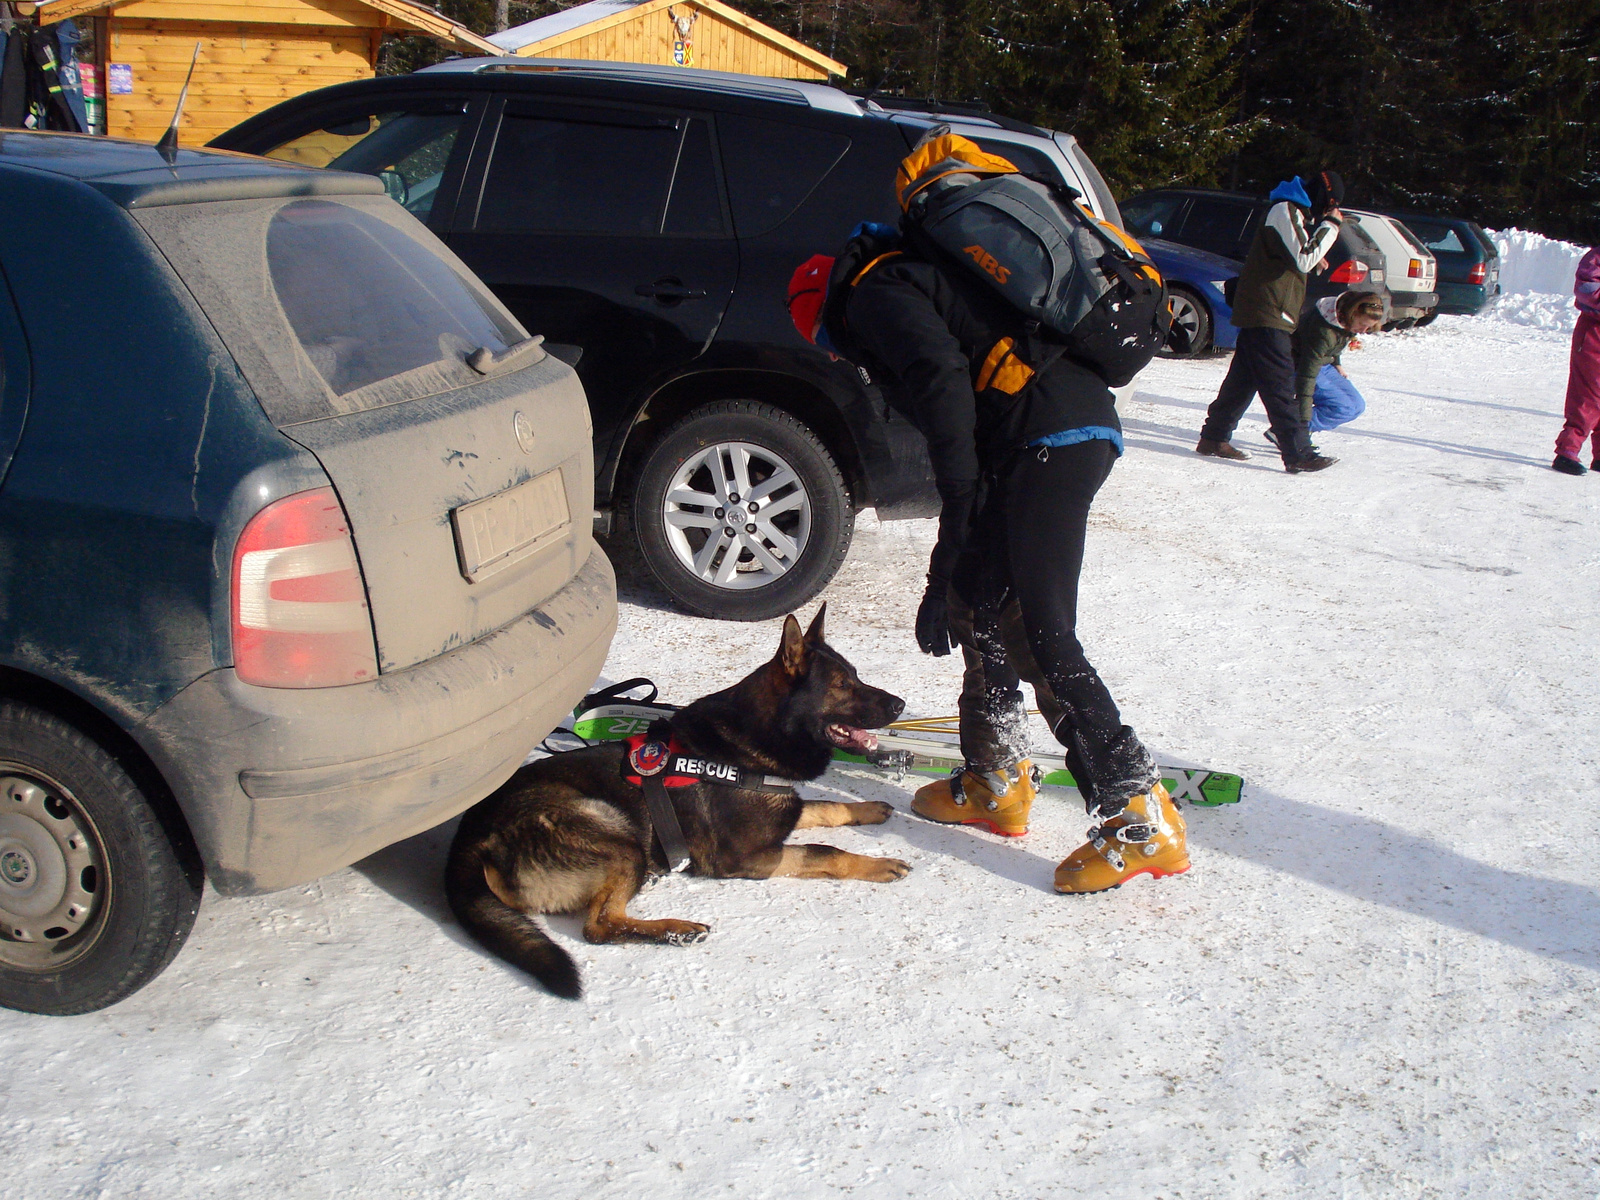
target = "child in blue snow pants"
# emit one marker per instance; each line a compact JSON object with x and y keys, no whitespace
{"x":1335,"y":400}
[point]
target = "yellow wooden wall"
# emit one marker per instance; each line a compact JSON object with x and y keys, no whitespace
{"x":242,"y":70}
{"x":718,"y":46}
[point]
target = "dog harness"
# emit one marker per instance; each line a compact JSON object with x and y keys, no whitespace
{"x":656,"y":761}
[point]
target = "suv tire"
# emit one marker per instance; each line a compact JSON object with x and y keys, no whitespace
{"x":96,"y":895}
{"x":689,"y":487}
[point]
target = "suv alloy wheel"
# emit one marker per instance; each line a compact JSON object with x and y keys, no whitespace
{"x":740,"y":512}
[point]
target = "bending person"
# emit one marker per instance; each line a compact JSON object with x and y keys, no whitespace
{"x":1018,"y":454}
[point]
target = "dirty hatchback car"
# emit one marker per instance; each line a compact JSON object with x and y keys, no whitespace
{"x":297,"y":542}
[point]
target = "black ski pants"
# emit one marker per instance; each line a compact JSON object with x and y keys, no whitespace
{"x":1263,"y":363}
{"x":1014,"y":611}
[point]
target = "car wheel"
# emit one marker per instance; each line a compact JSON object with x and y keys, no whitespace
{"x":1191,"y":325}
{"x":1429,"y":319}
{"x":95,"y":896}
{"x":741,"y":513}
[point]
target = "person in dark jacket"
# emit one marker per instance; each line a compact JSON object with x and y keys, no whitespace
{"x":1326,"y":396}
{"x":1267,"y":302}
{"x":1021,"y":438}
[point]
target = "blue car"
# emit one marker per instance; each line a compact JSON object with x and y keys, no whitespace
{"x":1200,"y":311}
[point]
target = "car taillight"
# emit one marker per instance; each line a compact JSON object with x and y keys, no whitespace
{"x":300,"y":616}
{"x":1352,"y":270}
{"x":1414,"y":271}
{"x":1479,"y":272}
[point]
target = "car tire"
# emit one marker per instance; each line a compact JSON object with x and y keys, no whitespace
{"x":97,"y":893}
{"x":1429,"y":319}
{"x":684,"y":497}
{"x":1194,"y":314}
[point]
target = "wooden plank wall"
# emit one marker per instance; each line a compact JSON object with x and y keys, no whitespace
{"x":243,"y":69}
{"x":322,"y":14}
{"x":718,"y":46}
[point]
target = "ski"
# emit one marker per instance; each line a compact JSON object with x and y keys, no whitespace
{"x":932,"y":746}
{"x":924,"y":745}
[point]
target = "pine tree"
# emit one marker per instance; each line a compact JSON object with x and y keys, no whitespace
{"x":1149,"y":86}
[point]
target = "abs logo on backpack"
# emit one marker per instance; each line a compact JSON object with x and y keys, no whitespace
{"x":988,"y":262}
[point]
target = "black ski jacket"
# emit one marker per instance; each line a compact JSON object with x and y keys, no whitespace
{"x":961,"y":365}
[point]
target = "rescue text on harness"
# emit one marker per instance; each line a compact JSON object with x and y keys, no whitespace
{"x":650,"y":757}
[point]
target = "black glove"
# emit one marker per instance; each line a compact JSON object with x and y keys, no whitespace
{"x":933,"y":620}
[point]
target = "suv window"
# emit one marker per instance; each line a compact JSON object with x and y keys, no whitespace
{"x":1217,"y":225}
{"x":408,"y":149}
{"x":366,"y":302}
{"x":1153,"y":216}
{"x":772,"y":167}
{"x":561,"y":170}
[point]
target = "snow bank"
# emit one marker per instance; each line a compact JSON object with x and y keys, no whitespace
{"x":1531,"y":262}
{"x":1535,"y":280}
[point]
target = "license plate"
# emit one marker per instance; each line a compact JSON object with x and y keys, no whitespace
{"x":509,"y":526}
{"x":1377,"y":277}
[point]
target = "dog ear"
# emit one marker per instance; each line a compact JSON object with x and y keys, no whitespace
{"x":814,"y":632}
{"x":792,"y":649}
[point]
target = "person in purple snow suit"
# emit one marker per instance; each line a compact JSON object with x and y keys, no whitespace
{"x":1583,"y":377}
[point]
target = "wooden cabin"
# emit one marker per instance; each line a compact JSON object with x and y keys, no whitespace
{"x":253,"y":54}
{"x":685,"y":33}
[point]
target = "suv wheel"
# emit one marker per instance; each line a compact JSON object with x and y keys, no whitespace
{"x":1191,"y":321}
{"x":95,"y":897}
{"x":741,"y":512}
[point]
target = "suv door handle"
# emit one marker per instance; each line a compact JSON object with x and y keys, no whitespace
{"x":669,"y":291}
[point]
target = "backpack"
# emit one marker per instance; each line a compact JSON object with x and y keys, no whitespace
{"x":1035,"y":243}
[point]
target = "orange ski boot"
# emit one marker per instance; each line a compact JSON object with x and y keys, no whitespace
{"x":998,"y":800}
{"x":1145,"y":838}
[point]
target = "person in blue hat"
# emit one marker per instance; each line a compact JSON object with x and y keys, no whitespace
{"x":1299,"y":229}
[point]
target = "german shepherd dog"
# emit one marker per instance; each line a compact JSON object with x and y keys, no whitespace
{"x":569,"y":833}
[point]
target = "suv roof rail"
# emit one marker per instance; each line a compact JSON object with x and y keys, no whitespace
{"x":756,"y":87}
{"x":949,"y":110}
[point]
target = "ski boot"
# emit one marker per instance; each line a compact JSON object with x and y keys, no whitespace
{"x":1146,"y":837}
{"x":999,"y":800}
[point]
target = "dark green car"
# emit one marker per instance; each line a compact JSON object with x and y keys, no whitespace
{"x":295,"y":544}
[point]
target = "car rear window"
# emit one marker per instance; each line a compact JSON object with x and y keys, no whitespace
{"x":366,"y":302}
{"x":1436,"y":236}
{"x":772,"y":167}
{"x":333,"y":305}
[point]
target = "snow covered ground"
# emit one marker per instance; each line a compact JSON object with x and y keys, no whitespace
{"x":1381,"y":978}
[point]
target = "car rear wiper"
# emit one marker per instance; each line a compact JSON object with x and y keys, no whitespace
{"x":486,"y":362}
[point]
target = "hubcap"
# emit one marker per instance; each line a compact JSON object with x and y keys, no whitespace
{"x":52,"y":873}
{"x":737,"y":516}
{"x":1185,"y":315}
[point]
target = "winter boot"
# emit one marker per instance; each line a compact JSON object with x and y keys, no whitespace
{"x":1308,"y":462}
{"x":1568,"y":466}
{"x":998,"y":800}
{"x":1145,"y":838}
{"x":1215,"y":449}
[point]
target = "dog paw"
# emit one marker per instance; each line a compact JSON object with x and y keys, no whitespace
{"x":686,"y":933}
{"x":886,"y":870}
{"x":872,"y":812}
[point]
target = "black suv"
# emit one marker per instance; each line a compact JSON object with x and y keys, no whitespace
{"x":1225,"y":223}
{"x":646,"y":224}
{"x":646,"y":221}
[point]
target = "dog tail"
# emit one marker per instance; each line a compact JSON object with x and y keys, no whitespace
{"x":506,"y":932}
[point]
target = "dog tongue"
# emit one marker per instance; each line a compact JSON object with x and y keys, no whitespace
{"x":856,"y":741}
